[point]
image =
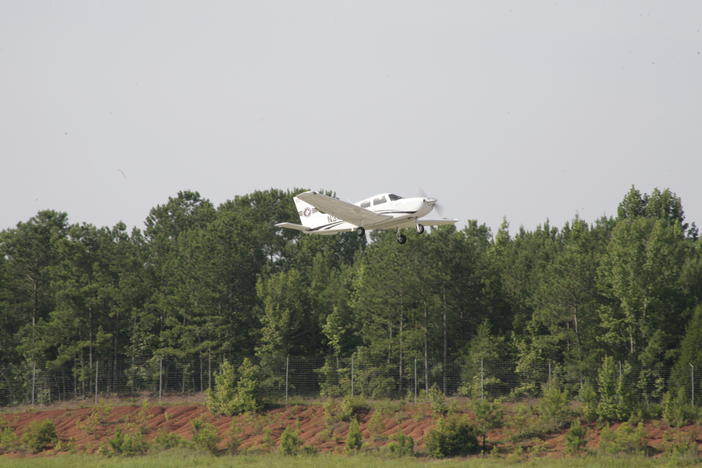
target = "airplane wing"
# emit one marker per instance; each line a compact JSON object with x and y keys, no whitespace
{"x":437,"y":222}
{"x":343,"y":210}
{"x":297,"y":227}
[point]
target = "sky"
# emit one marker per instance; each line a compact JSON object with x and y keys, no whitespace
{"x":500,"y":109}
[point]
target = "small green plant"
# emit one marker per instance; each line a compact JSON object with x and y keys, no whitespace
{"x":376,"y":425}
{"x":205,"y":435}
{"x":681,"y":447}
{"x":402,"y":445}
{"x":40,"y":435}
{"x":588,"y":397}
{"x":575,"y":437}
{"x":289,"y":443}
{"x":437,"y":400}
{"x":677,"y":410}
{"x":452,"y":437}
{"x":553,"y":407}
{"x":168,"y":440}
{"x":488,"y":415}
{"x":233,"y":438}
{"x":624,"y":440}
{"x":9,"y":442}
{"x":127,"y":443}
{"x":354,"y":439}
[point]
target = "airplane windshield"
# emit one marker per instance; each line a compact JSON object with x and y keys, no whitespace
{"x":394,"y":197}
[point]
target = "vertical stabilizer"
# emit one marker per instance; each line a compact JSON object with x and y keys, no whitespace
{"x":310,"y":216}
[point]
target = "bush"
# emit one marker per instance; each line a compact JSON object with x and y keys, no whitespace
{"x":452,"y":437}
{"x":205,"y":435}
{"x":290,"y":442}
{"x":681,"y":447}
{"x":354,"y":440}
{"x":127,"y":444}
{"x":488,"y":415}
{"x":588,"y":397}
{"x":40,"y":435}
{"x":554,"y":406}
{"x":344,"y":411}
{"x":575,"y":437}
{"x":677,"y":410}
{"x":402,"y":445}
{"x":169,"y":440}
{"x":437,"y":399}
{"x":234,"y":396}
{"x":624,"y":440}
{"x":9,"y":442}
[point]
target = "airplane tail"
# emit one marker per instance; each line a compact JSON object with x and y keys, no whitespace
{"x":310,"y":216}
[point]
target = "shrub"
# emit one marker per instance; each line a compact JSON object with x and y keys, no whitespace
{"x":289,"y":443}
{"x":624,"y":440}
{"x":588,"y":397}
{"x":488,"y":415}
{"x":233,"y":435}
{"x":234,"y":396}
{"x":402,"y":445}
{"x":681,"y":447}
{"x":677,"y":411}
{"x":437,"y":399}
{"x":354,"y":440}
{"x":9,"y":442}
{"x":40,"y":435}
{"x":575,"y":437}
{"x":376,"y":425}
{"x":247,"y":389}
{"x":221,"y":399}
{"x":168,"y":440}
{"x":205,"y":435}
{"x":452,"y":437}
{"x":554,"y":406}
{"x":613,"y":399}
{"x":127,"y":443}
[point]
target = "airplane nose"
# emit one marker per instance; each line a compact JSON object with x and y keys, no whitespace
{"x":430,"y":201}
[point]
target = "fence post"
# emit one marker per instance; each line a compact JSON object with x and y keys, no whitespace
{"x":34,"y":379}
{"x":287,"y":367}
{"x":482,"y":380}
{"x":692,"y":382}
{"x":352,"y":375}
{"x":96,"y":380}
{"x":415,"y":380}
{"x":160,"y":378}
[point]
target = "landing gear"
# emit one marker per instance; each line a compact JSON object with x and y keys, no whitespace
{"x":360,"y":232}
{"x":401,"y":238}
{"x":420,"y":229}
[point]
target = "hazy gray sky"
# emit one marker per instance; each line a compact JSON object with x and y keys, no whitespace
{"x":524,"y":109}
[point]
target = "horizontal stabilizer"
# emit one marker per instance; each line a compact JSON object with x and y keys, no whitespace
{"x":436,"y":222}
{"x":297,"y":227}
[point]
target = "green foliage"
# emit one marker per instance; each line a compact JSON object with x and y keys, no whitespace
{"x":553,"y":407}
{"x":354,"y":439}
{"x":376,"y":425}
{"x":168,"y":440}
{"x":127,"y":444}
{"x":402,"y":445}
{"x":344,"y":410}
{"x":624,"y":440}
{"x":488,"y":415}
{"x":40,"y":435}
{"x":233,"y":438}
{"x":9,"y":442}
{"x":437,"y":400}
{"x":205,"y":435}
{"x":290,"y":443}
{"x":681,"y":447}
{"x":613,"y":399}
{"x":221,"y":399}
{"x":677,"y":410}
{"x":575,"y":437}
{"x":453,"y":436}
{"x":588,"y":397}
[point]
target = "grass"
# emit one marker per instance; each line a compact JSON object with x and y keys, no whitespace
{"x":176,"y":459}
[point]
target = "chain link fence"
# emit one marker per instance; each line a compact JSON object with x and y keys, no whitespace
{"x":308,"y":377}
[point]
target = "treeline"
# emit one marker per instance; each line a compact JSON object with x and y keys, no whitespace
{"x":200,"y":284}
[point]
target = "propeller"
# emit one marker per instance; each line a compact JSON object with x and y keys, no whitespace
{"x":439,"y":209}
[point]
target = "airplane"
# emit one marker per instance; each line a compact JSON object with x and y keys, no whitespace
{"x":324,"y":215}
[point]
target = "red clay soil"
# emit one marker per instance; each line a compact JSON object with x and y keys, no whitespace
{"x":86,"y":429}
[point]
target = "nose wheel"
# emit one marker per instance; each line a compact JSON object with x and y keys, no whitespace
{"x":401,"y":238}
{"x":360,"y":232}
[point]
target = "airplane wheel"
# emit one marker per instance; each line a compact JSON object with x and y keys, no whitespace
{"x":420,"y":228}
{"x":401,"y":238}
{"x":361,"y":232}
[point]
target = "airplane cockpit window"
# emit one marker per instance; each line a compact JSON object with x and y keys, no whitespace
{"x":365,"y":204}
{"x":379,"y":200}
{"x":394,"y":197}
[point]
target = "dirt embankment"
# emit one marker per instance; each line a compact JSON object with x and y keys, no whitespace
{"x":85,"y":429}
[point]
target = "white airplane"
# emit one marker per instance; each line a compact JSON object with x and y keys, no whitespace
{"x":321,"y":214}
